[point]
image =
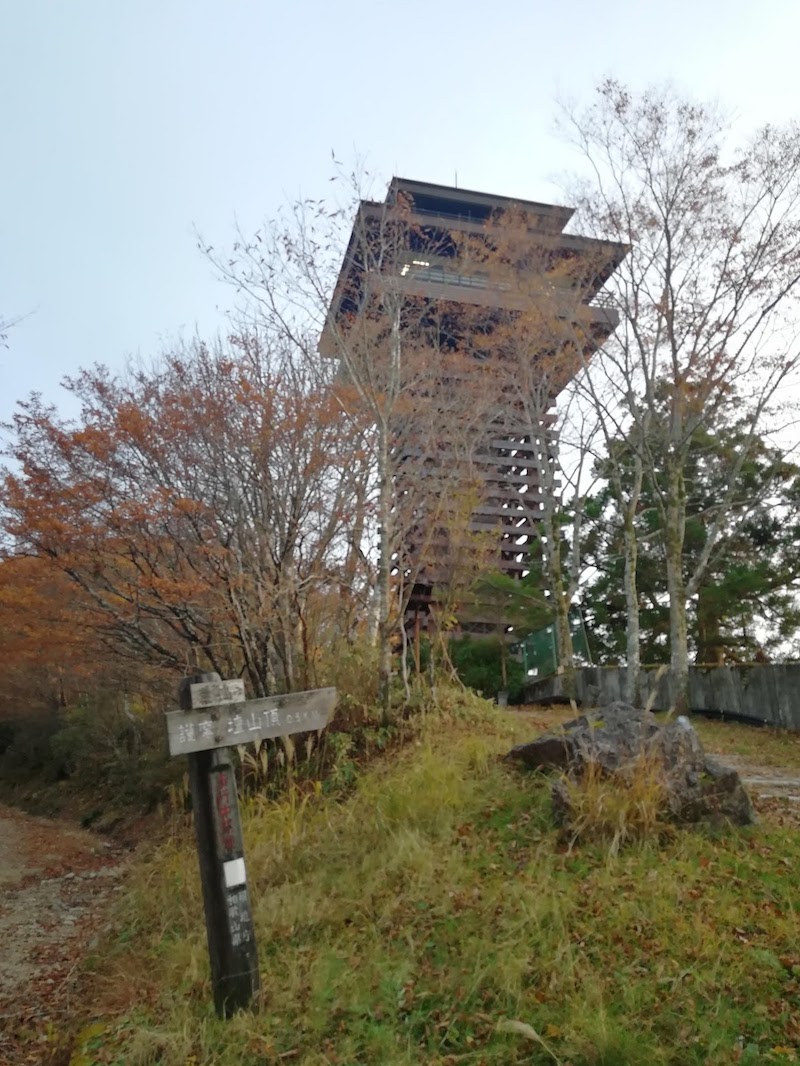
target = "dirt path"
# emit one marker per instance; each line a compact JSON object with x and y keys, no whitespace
{"x":774,"y":790}
{"x":56,"y":883}
{"x":768,"y":782}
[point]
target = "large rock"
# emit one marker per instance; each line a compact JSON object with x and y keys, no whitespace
{"x":694,"y":787}
{"x":610,"y":737}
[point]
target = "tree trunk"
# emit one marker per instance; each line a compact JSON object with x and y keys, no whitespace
{"x":560,"y":600}
{"x":352,"y":562}
{"x":679,"y":656}
{"x":631,"y":549}
{"x":404,"y":662}
{"x":286,"y":643}
{"x":673,"y":543}
{"x":566,"y":659}
{"x":503,"y":661}
{"x":711,"y":646}
{"x":384,"y":578}
{"x":385,"y":514}
{"x":632,"y":648}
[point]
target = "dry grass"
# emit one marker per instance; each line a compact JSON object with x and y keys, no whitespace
{"x":434,"y":916}
{"x":617,"y":810}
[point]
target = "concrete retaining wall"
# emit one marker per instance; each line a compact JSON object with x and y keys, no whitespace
{"x":762,"y":693}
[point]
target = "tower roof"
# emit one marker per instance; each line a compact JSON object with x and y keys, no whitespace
{"x":445,"y":208}
{"x":451,"y":201}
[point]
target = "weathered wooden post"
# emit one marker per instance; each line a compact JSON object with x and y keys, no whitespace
{"x":218,"y":830}
{"x":214,"y":716}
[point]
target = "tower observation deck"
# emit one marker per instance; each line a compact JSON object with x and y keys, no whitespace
{"x":466,"y":313}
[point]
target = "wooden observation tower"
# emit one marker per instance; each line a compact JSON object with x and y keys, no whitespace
{"x":468,"y":312}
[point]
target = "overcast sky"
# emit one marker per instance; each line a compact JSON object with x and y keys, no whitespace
{"x":124,"y":124}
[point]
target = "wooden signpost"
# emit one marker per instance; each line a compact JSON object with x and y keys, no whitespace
{"x":214,"y":716}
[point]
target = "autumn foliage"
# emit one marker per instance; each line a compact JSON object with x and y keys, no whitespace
{"x":199,"y":508}
{"x":48,"y":650}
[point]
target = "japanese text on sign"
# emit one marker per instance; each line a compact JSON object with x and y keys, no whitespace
{"x":240,"y":723}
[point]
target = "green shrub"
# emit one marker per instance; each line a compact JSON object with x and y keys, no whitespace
{"x":478,"y":664}
{"x":26,"y":750}
{"x":110,"y":745}
{"x":352,"y":669}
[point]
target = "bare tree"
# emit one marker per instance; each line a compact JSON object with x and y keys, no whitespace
{"x":539,"y":340}
{"x":603,"y":395}
{"x":707,"y":296}
{"x":399,"y":357}
{"x":5,"y":325}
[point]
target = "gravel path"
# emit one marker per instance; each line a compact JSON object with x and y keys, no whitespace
{"x":56,"y":883}
{"x":768,"y":782}
{"x":774,"y":790}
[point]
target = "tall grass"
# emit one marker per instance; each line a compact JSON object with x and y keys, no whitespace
{"x":618,"y":809}
{"x":433,"y":915}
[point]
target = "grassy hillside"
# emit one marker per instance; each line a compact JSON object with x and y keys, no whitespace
{"x":433,"y":915}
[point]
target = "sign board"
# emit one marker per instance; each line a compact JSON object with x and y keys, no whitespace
{"x":225,"y":725}
{"x":216,"y":693}
{"x":216,"y":716}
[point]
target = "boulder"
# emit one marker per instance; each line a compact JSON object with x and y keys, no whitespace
{"x":695,"y":787}
{"x":610,"y":737}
